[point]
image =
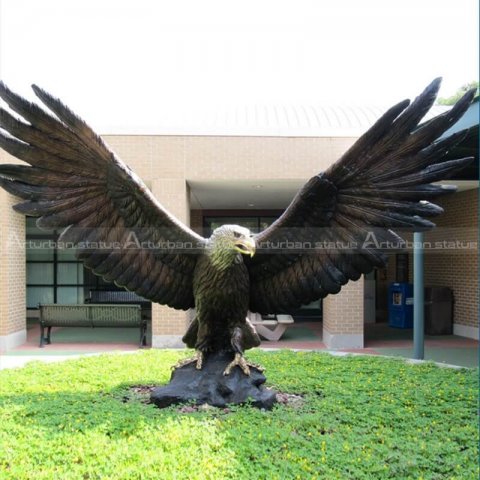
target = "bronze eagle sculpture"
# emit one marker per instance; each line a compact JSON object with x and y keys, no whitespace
{"x":74,"y":183}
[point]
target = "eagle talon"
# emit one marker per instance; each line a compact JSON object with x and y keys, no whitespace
{"x":258,"y":367}
{"x":198,"y":359}
{"x":238,"y":361}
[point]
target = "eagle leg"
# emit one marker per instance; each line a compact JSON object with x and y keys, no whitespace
{"x":239,"y":359}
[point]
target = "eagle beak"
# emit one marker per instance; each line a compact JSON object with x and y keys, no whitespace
{"x":246,"y":246}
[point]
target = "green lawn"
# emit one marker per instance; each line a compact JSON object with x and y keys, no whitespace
{"x":362,"y":418}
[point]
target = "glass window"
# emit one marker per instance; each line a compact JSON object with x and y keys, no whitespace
{"x":32,"y":229}
{"x":68,"y":295}
{"x":316,"y":305}
{"x":254,"y":224}
{"x":69,"y":273}
{"x":211,"y":223}
{"x":265,"y":222}
{"x":36,"y":295}
{"x":39,"y":250}
{"x":40,"y":273}
{"x":66,"y":254}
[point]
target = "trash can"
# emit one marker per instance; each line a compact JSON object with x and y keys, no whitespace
{"x":400,"y":305}
{"x":438,"y":311}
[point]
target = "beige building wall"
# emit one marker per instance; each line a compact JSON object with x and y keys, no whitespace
{"x":343,"y":317}
{"x":457,"y":268}
{"x":227,"y":158}
{"x":168,"y":324}
{"x":12,"y":271}
{"x":191,"y":158}
{"x":245,"y":158}
{"x":168,"y":163}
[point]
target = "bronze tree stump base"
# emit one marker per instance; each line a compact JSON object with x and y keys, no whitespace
{"x":209,"y":385}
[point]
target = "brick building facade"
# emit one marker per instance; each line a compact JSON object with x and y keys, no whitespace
{"x":170,"y":164}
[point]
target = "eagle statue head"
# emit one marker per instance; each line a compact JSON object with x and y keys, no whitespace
{"x":228,"y":241}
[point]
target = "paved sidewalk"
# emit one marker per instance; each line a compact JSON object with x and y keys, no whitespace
{"x":379,"y":340}
{"x":15,"y":361}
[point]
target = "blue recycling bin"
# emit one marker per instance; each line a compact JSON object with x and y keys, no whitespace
{"x":400,"y":305}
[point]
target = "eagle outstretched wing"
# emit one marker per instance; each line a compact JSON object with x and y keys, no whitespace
{"x":76,"y":184}
{"x":381,"y":183}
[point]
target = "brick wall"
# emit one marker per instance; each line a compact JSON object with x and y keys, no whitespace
{"x":457,"y":268}
{"x":260,"y":157}
{"x":210,"y":157}
{"x":167,"y":163}
{"x":12,"y":262}
{"x":173,"y":193}
{"x":151,"y":156}
{"x":227,"y":158}
{"x":343,"y":313}
{"x":217,"y":158}
{"x":12,"y":267}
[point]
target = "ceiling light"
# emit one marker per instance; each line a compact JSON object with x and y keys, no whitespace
{"x":257,"y":186}
{"x":251,"y":204}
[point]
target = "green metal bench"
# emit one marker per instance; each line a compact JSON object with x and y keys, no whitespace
{"x":91,"y":315}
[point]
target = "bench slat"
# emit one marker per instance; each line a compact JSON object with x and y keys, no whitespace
{"x":91,"y":315}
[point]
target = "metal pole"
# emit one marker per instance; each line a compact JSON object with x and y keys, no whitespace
{"x":418,"y":300}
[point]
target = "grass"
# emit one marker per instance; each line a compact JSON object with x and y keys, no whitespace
{"x":362,"y":418}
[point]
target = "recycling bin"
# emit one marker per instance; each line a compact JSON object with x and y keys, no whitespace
{"x":438,"y":311}
{"x":400,"y":305}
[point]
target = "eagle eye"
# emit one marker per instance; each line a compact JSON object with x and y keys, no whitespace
{"x":237,"y":234}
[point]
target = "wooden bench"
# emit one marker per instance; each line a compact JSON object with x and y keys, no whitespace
{"x":271,"y":328}
{"x":91,"y":315}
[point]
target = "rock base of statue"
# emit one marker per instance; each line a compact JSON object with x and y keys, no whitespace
{"x":210,"y":386}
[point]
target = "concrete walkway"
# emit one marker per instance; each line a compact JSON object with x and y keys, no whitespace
{"x":12,"y":361}
{"x":18,"y":361}
{"x":379,"y":340}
